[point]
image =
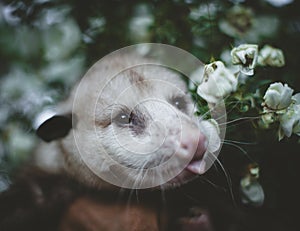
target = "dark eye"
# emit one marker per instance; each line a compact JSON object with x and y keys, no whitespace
{"x":122,"y":118}
{"x":180,"y":103}
{"x":134,"y":120}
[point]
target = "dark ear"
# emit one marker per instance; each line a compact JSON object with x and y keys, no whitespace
{"x":55,"y":127}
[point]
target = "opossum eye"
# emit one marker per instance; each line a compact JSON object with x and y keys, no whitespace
{"x":122,"y":118}
{"x":179,"y":102}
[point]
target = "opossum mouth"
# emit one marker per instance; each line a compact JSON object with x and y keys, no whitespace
{"x":196,"y":166}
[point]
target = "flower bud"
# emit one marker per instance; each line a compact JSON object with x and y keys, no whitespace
{"x":271,"y":56}
{"x":278,"y":96}
{"x":245,"y":56}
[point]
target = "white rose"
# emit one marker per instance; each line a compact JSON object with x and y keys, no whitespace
{"x":245,"y":56}
{"x":217,"y":82}
{"x":271,"y":56}
{"x":290,"y":121}
{"x":278,"y":96}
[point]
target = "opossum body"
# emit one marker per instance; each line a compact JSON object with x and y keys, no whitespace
{"x":41,"y":201}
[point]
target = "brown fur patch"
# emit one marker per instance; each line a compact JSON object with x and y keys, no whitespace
{"x":103,"y":122}
{"x":137,"y":79}
{"x":89,"y":214}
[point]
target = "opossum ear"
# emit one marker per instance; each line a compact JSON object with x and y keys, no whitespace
{"x":55,"y":127}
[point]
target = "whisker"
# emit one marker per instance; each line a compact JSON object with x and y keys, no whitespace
{"x":140,"y":177}
{"x":163,"y":195}
{"x":142,"y":172}
{"x":213,"y":161}
{"x":211,"y":109}
{"x":137,"y":195}
{"x":121,"y":194}
{"x":220,"y":117}
{"x":227,"y":176}
{"x":227,"y":112}
{"x":239,"y":119}
{"x":129,"y":198}
{"x":190,"y":197}
{"x":240,"y":142}
{"x":212,"y":183}
{"x":242,"y":150}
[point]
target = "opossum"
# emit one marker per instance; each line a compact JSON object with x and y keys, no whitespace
{"x":127,"y":125}
{"x":118,"y":155}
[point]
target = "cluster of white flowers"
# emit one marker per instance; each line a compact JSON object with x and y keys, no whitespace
{"x":247,"y":56}
{"x":281,"y":105}
{"x":218,"y":81}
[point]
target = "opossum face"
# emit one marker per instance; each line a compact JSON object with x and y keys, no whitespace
{"x":136,"y":129}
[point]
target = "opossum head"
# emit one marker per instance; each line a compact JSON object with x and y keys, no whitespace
{"x":134,"y":128}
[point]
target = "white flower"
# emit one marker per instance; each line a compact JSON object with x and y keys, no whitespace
{"x":20,"y":142}
{"x":4,"y":183}
{"x":60,"y":40}
{"x":252,"y":192}
{"x":202,"y":10}
{"x":271,"y":56}
{"x":241,"y":23}
{"x":290,"y":121}
{"x":278,"y":96}
{"x":281,"y":106}
{"x":217,"y":82}
{"x":238,"y":21}
{"x":245,"y":56}
{"x":140,"y":23}
{"x":211,"y":130}
{"x":65,"y":71}
{"x":296,"y":127}
{"x":279,"y":3}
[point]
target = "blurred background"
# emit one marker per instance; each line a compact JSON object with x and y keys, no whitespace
{"x":47,"y":45}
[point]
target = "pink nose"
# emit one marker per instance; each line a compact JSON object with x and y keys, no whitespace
{"x":194,"y":143}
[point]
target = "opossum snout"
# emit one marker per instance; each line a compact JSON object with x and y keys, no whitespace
{"x":193,"y":145}
{"x":194,"y":142}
